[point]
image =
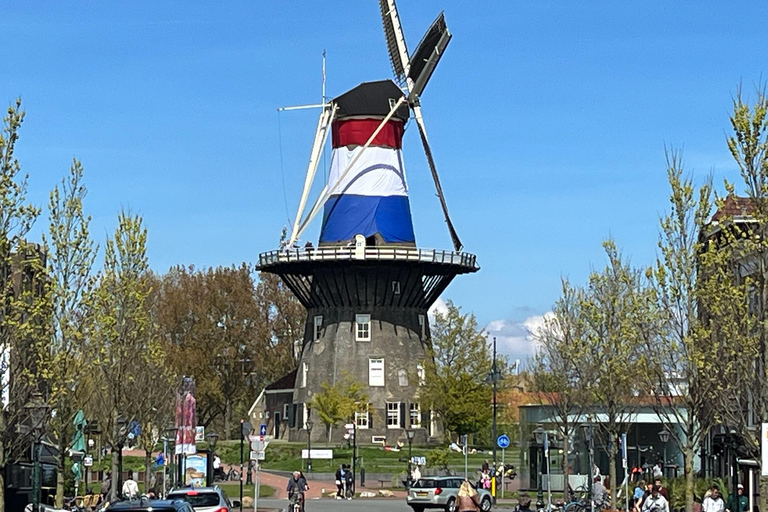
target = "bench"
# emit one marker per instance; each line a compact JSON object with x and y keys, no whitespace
{"x":382,"y":482}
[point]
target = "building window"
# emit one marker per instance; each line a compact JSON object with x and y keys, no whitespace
{"x":304,"y":372}
{"x":362,"y":419}
{"x":393,"y":414}
{"x":286,"y":410}
{"x":415,"y":410}
{"x":318,"y":327}
{"x":396,"y":287}
{"x":402,"y":378}
{"x":363,"y":327}
{"x":376,"y":372}
{"x":423,"y":326}
{"x":421,"y":374}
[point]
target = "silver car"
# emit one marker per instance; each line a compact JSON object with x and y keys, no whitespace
{"x":441,"y":492}
{"x":205,"y":499}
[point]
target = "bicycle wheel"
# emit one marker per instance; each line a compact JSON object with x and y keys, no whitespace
{"x":575,"y":506}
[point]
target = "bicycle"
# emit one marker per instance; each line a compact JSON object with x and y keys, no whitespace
{"x":297,"y":501}
{"x":232,"y":475}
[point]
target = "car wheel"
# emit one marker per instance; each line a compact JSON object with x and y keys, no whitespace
{"x":485,"y":505}
{"x":451,"y":506}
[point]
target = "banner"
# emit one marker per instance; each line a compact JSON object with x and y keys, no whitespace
{"x":186,"y":418}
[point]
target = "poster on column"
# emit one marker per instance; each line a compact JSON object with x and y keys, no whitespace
{"x":764,"y":448}
{"x":186,"y":418}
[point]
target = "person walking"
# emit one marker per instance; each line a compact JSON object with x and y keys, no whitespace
{"x":662,"y":490}
{"x":106,"y":486}
{"x":130,"y":487}
{"x":713,"y":502}
{"x":340,"y":482}
{"x":466,"y":500}
{"x":349,"y":480}
{"x":655,"y":502}
{"x":743,"y":502}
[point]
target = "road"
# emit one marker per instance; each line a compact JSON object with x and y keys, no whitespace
{"x":358,"y":505}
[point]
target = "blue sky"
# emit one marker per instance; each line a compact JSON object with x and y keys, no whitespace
{"x":548,"y":121}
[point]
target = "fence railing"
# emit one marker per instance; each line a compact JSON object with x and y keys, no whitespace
{"x":307,"y":254}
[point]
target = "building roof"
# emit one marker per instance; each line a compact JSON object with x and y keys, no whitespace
{"x":734,"y":207}
{"x":372,"y":99}
{"x":287,"y":381}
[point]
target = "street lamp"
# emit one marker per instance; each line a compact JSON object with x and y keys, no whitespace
{"x":589,"y":437}
{"x":541,"y":437}
{"x":309,"y":424}
{"x":37,"y":410}
{"x":410,"y":433}
{"x":169,"y":437}
{"x":664,"y":436}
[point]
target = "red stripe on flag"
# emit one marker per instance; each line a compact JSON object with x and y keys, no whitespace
{"x":348,"y":132}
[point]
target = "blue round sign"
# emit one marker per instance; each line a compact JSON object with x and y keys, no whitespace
{"x":503,"y":441}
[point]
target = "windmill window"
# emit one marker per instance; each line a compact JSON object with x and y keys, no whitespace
{"x":362,"y":419}
{"x":376,"y":372}
{"x":396,"y":287}
{"x":318,"y":327}
{"x":304,"y":372}
{"x":421,"y":374}
{"x":393,"y":414}
{"x":362,"y":327}
{"x":286,"y":410}
{"x":415,"y":410}
{"x":423,"y":326}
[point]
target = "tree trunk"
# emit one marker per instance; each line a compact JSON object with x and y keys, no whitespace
{"x":330,"y":433}
{"x":114,"y":491}
{"x":227,"y":417}
{"x":612,"y":470}
{"x":566,"y":466}
{"x":60,"y":462}
{"x":2,"y":462}
{"x":148,"y":480}
{"x":689,"y":476}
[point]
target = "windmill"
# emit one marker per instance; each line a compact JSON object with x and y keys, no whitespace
{"x":413,"y":74}
{"x":367,"y":287}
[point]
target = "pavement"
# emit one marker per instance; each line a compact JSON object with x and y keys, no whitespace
{"x":356,"y":505}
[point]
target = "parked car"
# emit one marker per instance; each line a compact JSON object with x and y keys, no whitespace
{"x":440,"y":492}
{"x":145,"y":505}
{"x":205,"y":499}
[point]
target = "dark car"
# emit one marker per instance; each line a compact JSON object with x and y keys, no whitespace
{"x":145,"y":505}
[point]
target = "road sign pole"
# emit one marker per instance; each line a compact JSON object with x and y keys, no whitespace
{"x":504,"y":470}
{"x":256,"y":485}
{"x":466,"y":451}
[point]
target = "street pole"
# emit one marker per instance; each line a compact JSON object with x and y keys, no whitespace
{"x":549,"y":482}
{"x":591,"y":443}
{"x":504,"y":470}
{"x":36,"y":475}
{"x":494,"y":435}
{"x":539,"y":491}
{"x":256,"y":489}
{"x":466,"y":452}
{"x":354,"y":455}
{"x":242,"y":436}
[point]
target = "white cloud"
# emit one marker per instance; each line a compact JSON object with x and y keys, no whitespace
{"x":438,"y":306}
{"x":516,"y":339}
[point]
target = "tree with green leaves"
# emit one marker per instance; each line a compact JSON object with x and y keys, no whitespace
{"x":616,"y":308}
{"x":122,"y":345}
{"x":685,"y":360}
{"x":339,"y":402}
{"x":553,"y":371}
{"x":457,"y":368}
{"x":71,"y":253}
{"x":24,"y":301}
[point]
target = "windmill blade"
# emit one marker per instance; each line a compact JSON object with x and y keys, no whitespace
{"x":393,"y":32}
{"x":427,"y":55}
{"x":432,"y":167}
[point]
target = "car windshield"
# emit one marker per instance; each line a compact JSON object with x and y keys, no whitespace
{"x":197,"y":499}
{"x":425,"y":483}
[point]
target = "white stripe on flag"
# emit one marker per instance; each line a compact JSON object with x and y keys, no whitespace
{"x":378,"y":172}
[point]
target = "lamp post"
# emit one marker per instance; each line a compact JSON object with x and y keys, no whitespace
{"x":494,"y":433}
{"x":541,"y":437}
{"x":170,"y":437}
{"x":37,"y":410}
{"x":664,"y":436}
{"x":309,"y":425}
{"x":408,"y":477}
{"x":589,"y":437}
{"x":213,"y":439}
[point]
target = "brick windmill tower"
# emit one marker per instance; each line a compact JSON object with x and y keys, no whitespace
{"x":367,"y":286}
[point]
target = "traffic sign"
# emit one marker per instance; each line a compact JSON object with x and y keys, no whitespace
{"x":257,"y":455}
{"x":263,"y":429}
{"x":503,"y":441}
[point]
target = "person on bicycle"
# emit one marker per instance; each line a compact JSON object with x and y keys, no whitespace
{"x":297,"y":485}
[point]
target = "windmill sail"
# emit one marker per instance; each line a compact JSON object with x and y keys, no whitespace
{"x":393,"y":32}
{"x":428,"y":54}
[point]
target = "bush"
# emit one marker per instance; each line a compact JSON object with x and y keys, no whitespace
{"x":676,"y":487}
{"x":439,"y":458}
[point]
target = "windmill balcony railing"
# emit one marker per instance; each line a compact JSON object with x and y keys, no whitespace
{"x":308,"y":254}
